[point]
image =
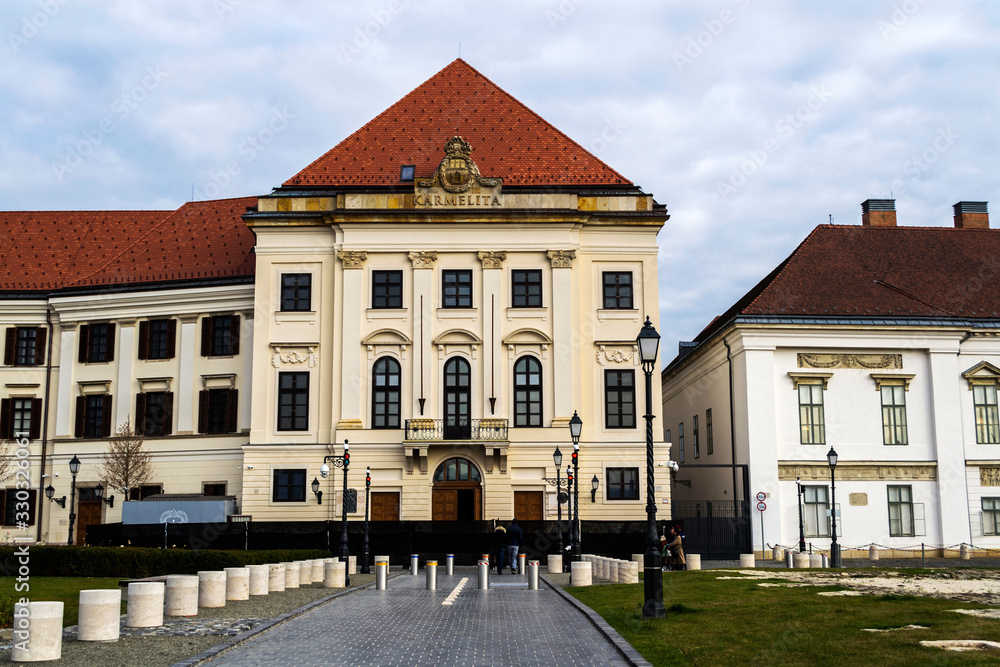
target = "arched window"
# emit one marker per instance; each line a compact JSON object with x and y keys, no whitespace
{"x":457,"y":470}
{"x":385,"y":393}
{"x":527,"y":392}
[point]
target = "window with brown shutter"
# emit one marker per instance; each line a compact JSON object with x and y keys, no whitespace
{"x":36,"y":419}
{"x":40,"y":350}
{"x":143,"y":342}
{"x":171,"y":339}
{"x":5,"y":419}
{"x":10,"y":341}
{"x":168,"y":413}
{"x":140,"y":414}
{"x":10,"y":505}
{"x":81,"y":416}
{"x":206,"y":336}
{"x":203,"y":402}
{"x":233,"y":403}
{"x":106,"y":417}
{"x":84,"y":353}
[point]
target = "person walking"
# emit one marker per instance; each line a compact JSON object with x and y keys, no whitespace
{"x":514,"y":539}
{"x":676,"y":546}
{"x":499,"y":547}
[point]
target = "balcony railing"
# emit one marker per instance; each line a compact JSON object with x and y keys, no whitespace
{"x":456,"y":429}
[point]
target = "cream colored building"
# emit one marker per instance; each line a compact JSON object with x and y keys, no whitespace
{"x":444,"y":293}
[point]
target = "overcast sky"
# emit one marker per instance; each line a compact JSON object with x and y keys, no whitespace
{"x":753,"y":122}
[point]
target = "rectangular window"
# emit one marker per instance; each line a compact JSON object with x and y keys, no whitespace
{"x":97,"y":411}
{"x":217,"y":410}
{"x":811,"y":419}
{"x":213,"y":489}
{"x":669,"y":438}
{"x":296,"y":292}
{"x":157,"y":339}
{"x":20,"y":418}
{"x":526,"y":289}
{"x":457,"y":289}
{"x":894,"y":414}
{"x":97,"y":343}
{"x":17,"y":501}
{"x":387,"y":289}
{"x":142,"y":492}
{"x":901,"y":511}
{"x":27,"y":351}
{"x":220,"y":336}
{"x":694,"y":436}
{"x":154,"y":413}
{"x":984,"y":396}
{"x":623,"y":484}
{"x":709,"y":440}
{"x":619,"y":399}
{"x":680,"y":442}
{"x":289,"y":486}
{"x":815,"y":503}
{"x":991,"y":516}
{"x":293,"y":401}
{"x":617,"y":290}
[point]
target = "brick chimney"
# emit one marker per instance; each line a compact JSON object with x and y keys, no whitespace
{"x":878,"y":213}
{"x":971,"y":215}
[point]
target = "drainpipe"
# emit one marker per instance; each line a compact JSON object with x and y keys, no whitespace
{"x":732,"y":416}
{"x":40,"y":511}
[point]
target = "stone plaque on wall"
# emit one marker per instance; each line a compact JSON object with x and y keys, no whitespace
{"x":858,"y":499}
{"x":989,"y":477}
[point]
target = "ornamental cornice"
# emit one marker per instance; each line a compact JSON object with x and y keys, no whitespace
{"x":423,"y":259}
{"x":352,"y":259}
{"x":858,"y":472}
{"x":492,"y":260}
{"x":561,"y":259}
{"x":863,"y":361}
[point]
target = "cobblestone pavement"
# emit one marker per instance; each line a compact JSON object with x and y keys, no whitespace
{"x":408,"y":625}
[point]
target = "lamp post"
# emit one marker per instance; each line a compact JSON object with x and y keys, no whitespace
{"x":341,"y":462}
{"x":575,"y":428}
{"x":557,"y":459}
{"x":648,"y":342}
{"x":802,"y":532}
{"x":365,"y":569}
{"x":74,"y":468}
{"x":569,"y":503}
{"x":831,"y":458}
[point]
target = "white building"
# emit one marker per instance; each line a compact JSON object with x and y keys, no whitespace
{"x":877,"y":341}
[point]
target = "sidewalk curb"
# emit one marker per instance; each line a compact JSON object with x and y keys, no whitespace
{"x":240,"y":639}
{"x":630,"y":654}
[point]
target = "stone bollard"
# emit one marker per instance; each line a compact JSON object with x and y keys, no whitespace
{"x":555,"y":563}
{"x":640,"y":559}
{"x":449,"y":564}
{"x":815,"y":560}
{"x":431,"y":568}
{"x":580,"y":574}
{"x":532,"y":575}
{"x":381,"y":575}
{"x":778,"y":552}
{"x":693,"y":561}
{"x":275,"y":577}
{"x":352,"y":564}
{"x":629,"y":572}
{"x":258,"y":579}
{"x":42,"y":639}
{"x":747,"y":560}
{"x":335,"y":575}
{"x":181,"y":595}
{"x":484,"y":574}
{"x":613,"y":570}
{"x":145,"y":604}
{"x":305,"y":572}
{"x":211,"y":589}
{"x":521,"y":560}
{"x":605,"y":567}
{"x":801,"y":561}
{"x":291,"y":575}
{"x":318,"y":571}
{"x":873,"y":553}
{"x":100,"y":615}
{"x":414,"y":564}
{"x":789,"y":560}
{"x":237,"y":583}
{"x":965,"y":552}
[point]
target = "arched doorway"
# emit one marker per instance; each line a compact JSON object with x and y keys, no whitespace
{"x":458,"y":491}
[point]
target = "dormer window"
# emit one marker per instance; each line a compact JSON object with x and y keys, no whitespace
{"x":407,"y":173}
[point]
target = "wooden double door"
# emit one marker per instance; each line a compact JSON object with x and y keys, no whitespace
{"x":457,"y":501}
{"x":529,"y":505}
{"x":385,"y":506}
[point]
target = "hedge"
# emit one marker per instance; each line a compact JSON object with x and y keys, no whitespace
{"x":136,"y":563}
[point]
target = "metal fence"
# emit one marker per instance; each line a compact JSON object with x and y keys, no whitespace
{"x":714,"y":528}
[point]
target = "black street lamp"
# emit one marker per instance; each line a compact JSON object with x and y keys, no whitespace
{"x":575,"y":428}
{"x":557,"y":459}
{"x":648,"y":342}
{"x":831,"y":458}
{"x":99,"y":494}
{"x":569,"y":503}
{"x":341,"y":462}
{"x":594,"y":485}
{"x":50,"y":493}
{"x":365,"y":569}
{"x":74,"y":468}
{"x":316,"y":492}
{"x":802,"y":532}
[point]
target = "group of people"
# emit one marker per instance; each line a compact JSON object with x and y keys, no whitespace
{"x":673,"y":550}
{"x":506,"y":543}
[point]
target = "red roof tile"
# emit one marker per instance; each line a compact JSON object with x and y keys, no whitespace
{"x":49,"y":250}
{"x":508,"y":139}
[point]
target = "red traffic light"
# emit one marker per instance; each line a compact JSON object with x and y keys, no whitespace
{"x":368,"y":480}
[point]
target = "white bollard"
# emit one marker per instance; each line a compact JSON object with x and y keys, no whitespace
{"x":318,"y":571}
{"x":237,"y":583}
{"x":352,"y":564}
{"x":335,"y":575}
{"x":484,"y":574}
{"x":145,"y":604}
{"x":801,"y":561}
{"x":965,"y":552}
{"x":381,"y":575}
{"x":623,"y":569}
{"x":693,"y":561}
{"x":789,"y":559}
{"x":522,"y":559}
{"x":555,"y":563}
{"x":258,"y":579}
{"x":100,"y":615}
{"x":605,"y":567}
{"x":181,"y":595}
{"x":580,"y":574}
{"x":613,"y":570}
{"x":449,"y":564}
{"x":211,"y":589}
{"x":825,"y":561}
{"x":431,"y":569}
{"x":640,"y":559}
{"x":414,"y":564}
{"x":747,"y":560}
{"x":291,"y":575}
{"x":42,"y":640}
{"x":532,"y":575}
{"x":275,"y":577}
{"x":873,"y":553}
{"x":305,"y":572}
{"x":815,"y":560}
{"x":778,"y":552}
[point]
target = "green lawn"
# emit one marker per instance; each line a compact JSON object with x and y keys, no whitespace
{"x":52,"y":589}
{"x":732,"y":622}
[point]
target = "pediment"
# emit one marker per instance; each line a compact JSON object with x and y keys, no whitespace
{"x":982,"y":373}
{"x":458,"y":337}
{"x":386,"y":337}
{"x":527,"y":336}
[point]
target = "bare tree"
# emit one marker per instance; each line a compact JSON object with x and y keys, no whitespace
{"x":6,"y":461}
{"x":126,"y":465}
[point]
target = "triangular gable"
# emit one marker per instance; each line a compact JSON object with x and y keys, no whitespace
{"x":982,"y":373}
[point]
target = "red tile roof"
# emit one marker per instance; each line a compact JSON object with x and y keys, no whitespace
{"x":508,"y":139}
{"x":50,"y":250}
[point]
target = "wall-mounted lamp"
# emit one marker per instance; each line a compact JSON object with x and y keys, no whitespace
{"x":316,"y":491}
{"x":594,"y":485}
{"x":99,"y":494}
{"x":50,"y":493}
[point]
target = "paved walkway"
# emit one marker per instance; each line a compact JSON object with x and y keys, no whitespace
{"x":408,"y":625}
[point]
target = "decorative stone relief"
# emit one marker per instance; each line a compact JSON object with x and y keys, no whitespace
{"x":295,"y":355}
{"x":989,"y":477}
{"x":457,"y":173}
{"x":562,"y":259}
{"x":423,"y":260}
{"x":788,"y":472}
{"x":850,"y":360}
{"x":492,"y":260}
{"x":625,"y":353}
{"x":352,"y":259}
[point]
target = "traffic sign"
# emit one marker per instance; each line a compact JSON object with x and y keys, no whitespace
{"x":761,"y":506}
{"x":761,"y":496}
